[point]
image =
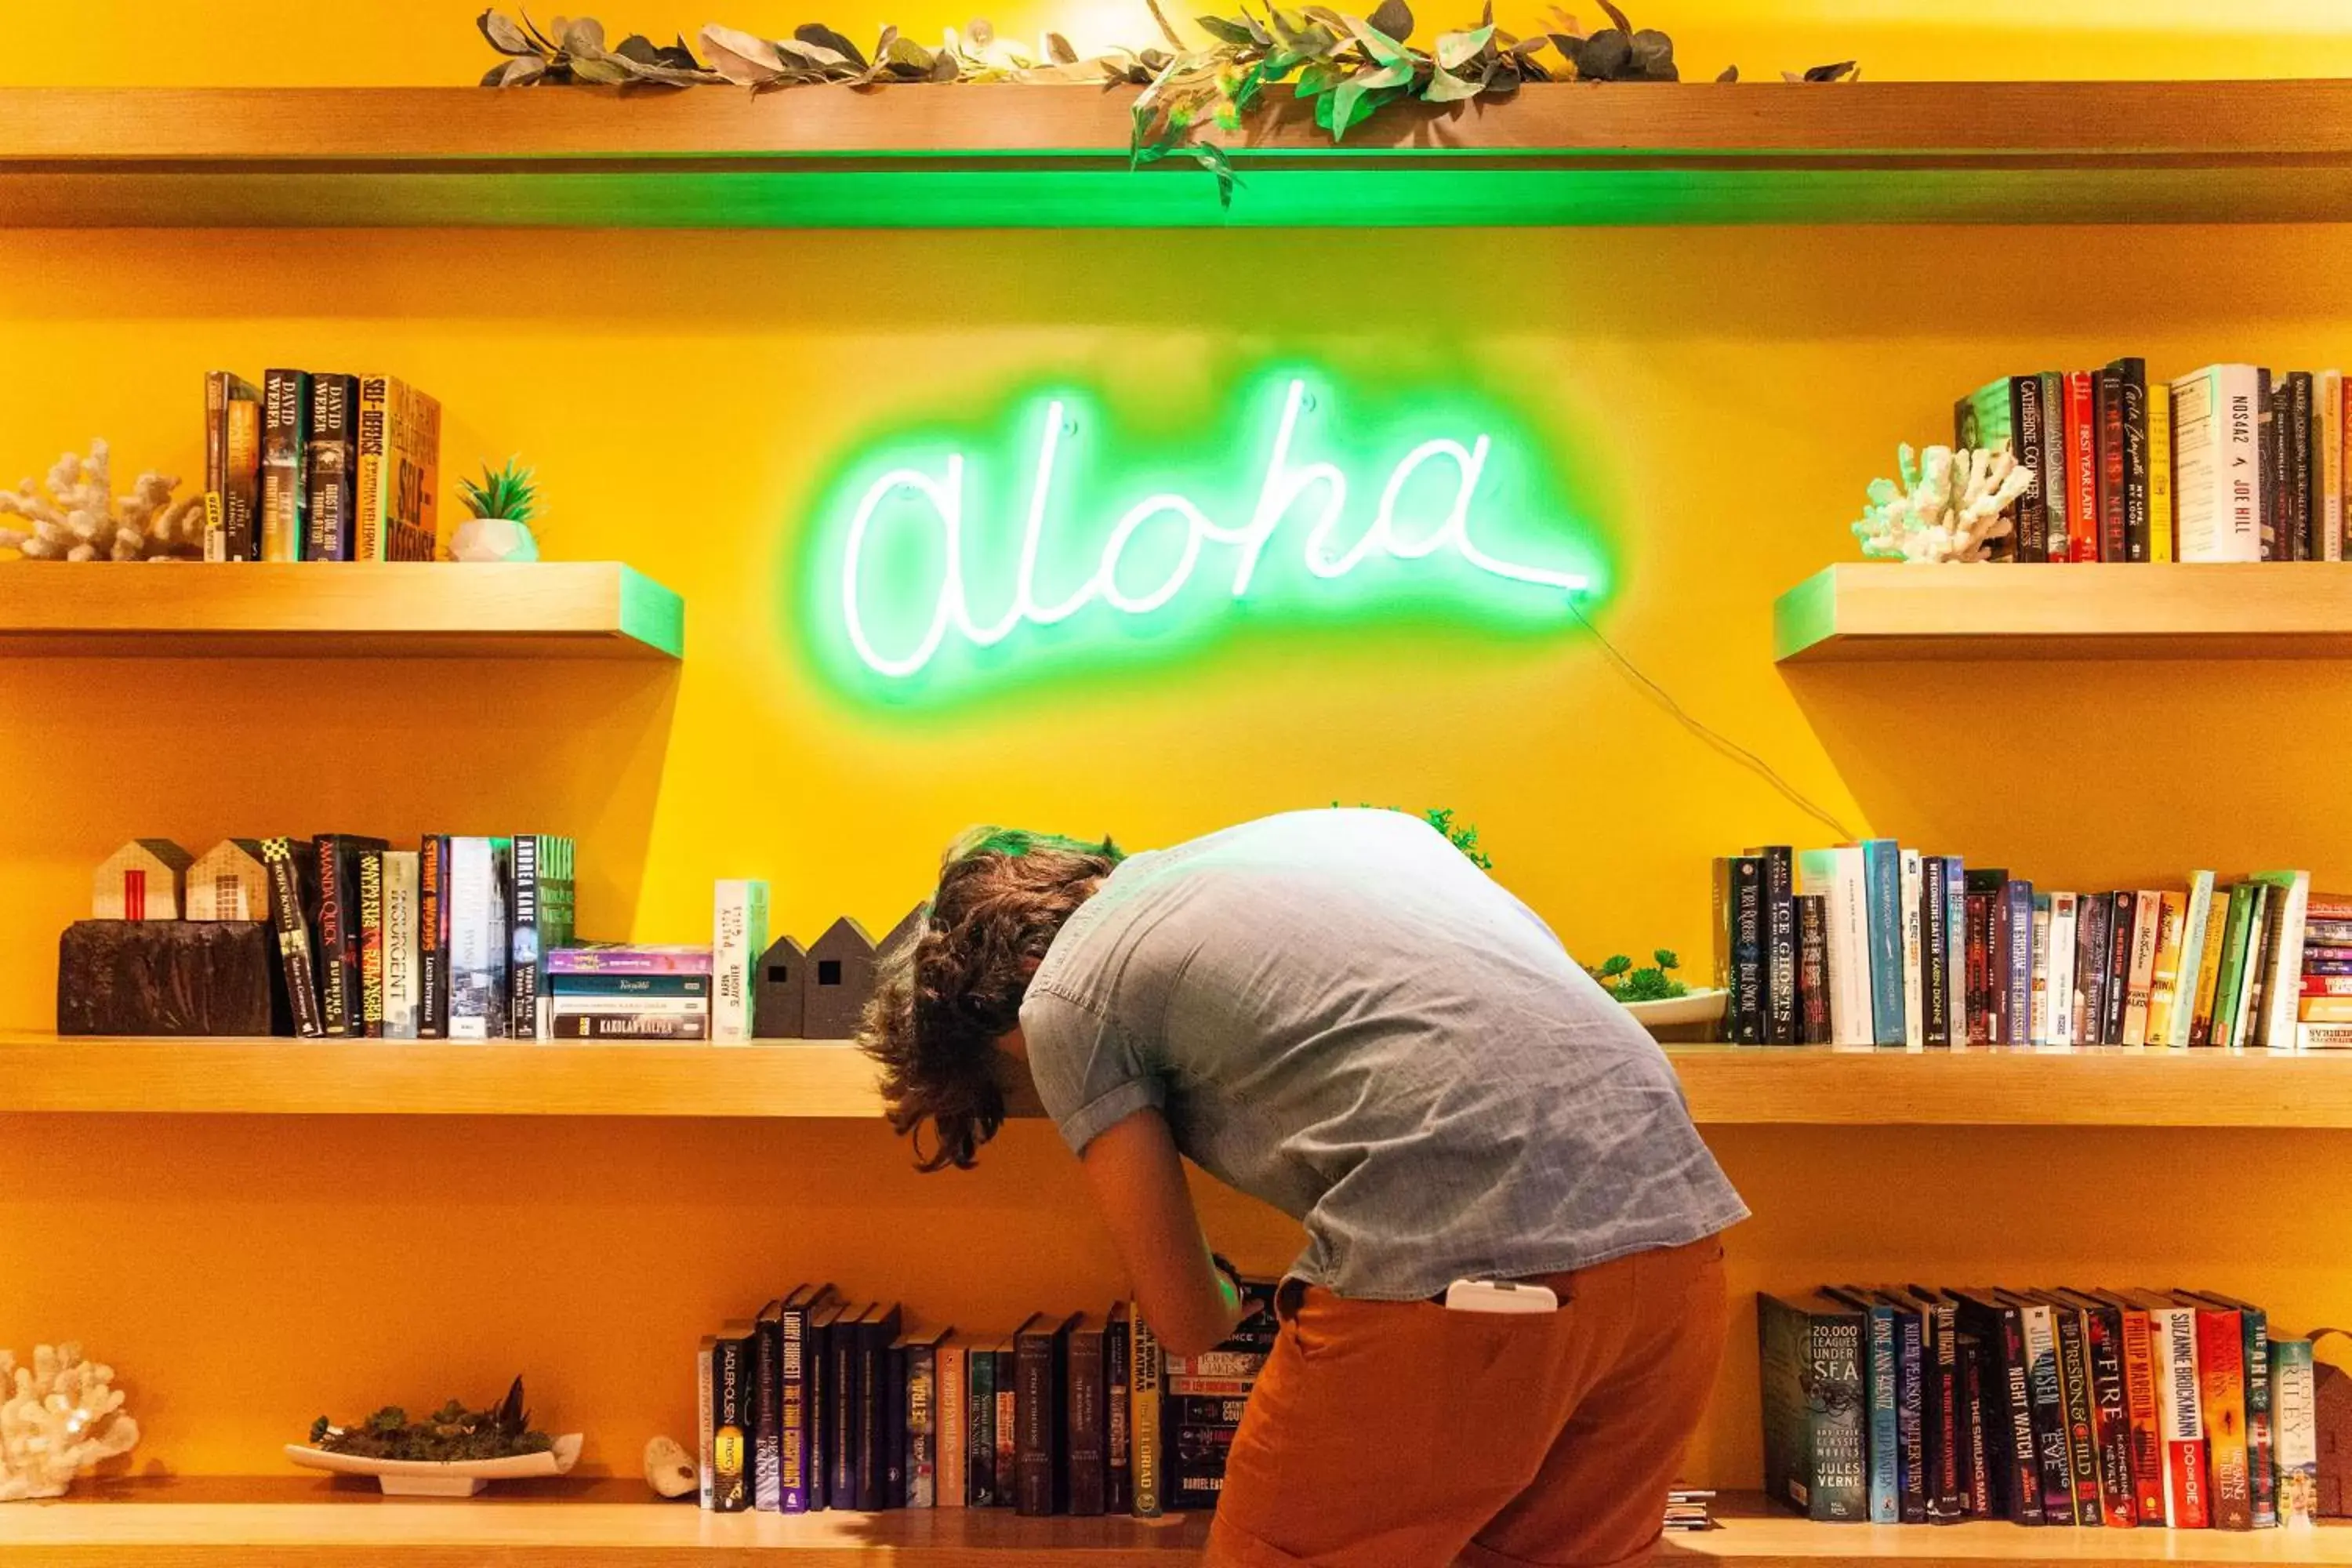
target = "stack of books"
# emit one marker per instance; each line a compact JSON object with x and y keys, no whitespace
{"x":1871,"y":944}
{"x":627,"y":990}
{"x":2106,"y":1409}
{"x":2232,"y":462}
{"x":447,"y":941}
{"x":1689,"y":1509}
{"x":321,"y":466}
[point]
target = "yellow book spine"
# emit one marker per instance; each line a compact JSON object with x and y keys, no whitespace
{"x":1144,"y":1465}
{"x":2160,"y":479}
{"x":2164,"y":993}
{"x":2208,"y":968}
{"x":369,"y":511}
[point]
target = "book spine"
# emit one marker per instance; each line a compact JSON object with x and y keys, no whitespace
{"x":843,"y":1408}
{"x":2328,"y":458}
{"x":1980,"y":988}
{"x":432,"y":937}
{"x":881,"y":1421}
{"x":2181,"y":1411}
{"x":1118,"y":1451}
{"x":412,"y":481}
{"x":2139,"y":984}
{"x":2111,"y":1416}
{"x":2082,"y":1431}
{"x":401,"y":868}
{"x":2049,"y":460}
{"x":2025,"y":445}
{"x":368,"y":489}
{"x":2083,"y":526}
{"x":2188,"y":970}
{"x":1779,"y":945}
{"x":1945,"y":1502}
{"x":2108,"y":402}
{"x":2121,"y":934}
{"x":618,"y":1026}
{"x":2295,"y":1400}
{"x":525,"y":975}
{"x":2222,"y":1376}
{"x":1748,"y":1009}
{"x":1911,"y":1469}
{"x":2215,"y":439}
{"x":922,"y":1419}
{"x":1840,"y":1490}
{"x":338,"y":939}
{"x":792,"y":1411}
{"x":2160,"y":545}
{"x":1008,"y":1429}
{"x":2093,"y":914}
{"x":2129,"y":422}
{"x":1975,"y":1460}
{"x":2295,"y":442}
{"x":2024,"y":1489}
{"x":1812,"y":970}
{"x":2037,"y":1019}
{"x":1909,"y":889}
{"x":371,"y":942}
{"x":326,"y":470}
{"x":1883,"y":875}
{"x":980,"y":1429}
{"x":1956,"y":935}
{"x":1087,"y":1460}
{"x":729,"y":1421}
{"x":2208,"y":967}
{"x":2290,"y":899}
{"x":2164,"y":988}
{"x":2262,"y":1486}
{"x":2052,"y":1448}
{"x":2063,"y":941}
{"x":2270,"y":494}
{"x":216,"y":465}
{"x":705,"y":1404}
{"x":739,"y":935}
{"x":286,"y":915}
{"x":241,"y":493}
{"x":767,"y":1415}
{"x":953,"y":1441}
{"x":2017,"y":985}
{"x":1935,"y":978}
{"x":1881,"y":1378}
{"x":2231,"y":972}
{"x":2144,"y":1415}
{"x":477,"y":997}
{"x":1144,"y":1367}
{"x":1033,"y":1407}
{"x":285,"y":428}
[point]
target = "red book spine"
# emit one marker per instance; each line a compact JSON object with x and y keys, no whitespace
{"x":1978,"y":993}
{"x":2082,"y":467}
{"x":2221,"y":1377}
{"x":2147,"y":1429}
{"x":2185,"y":1497}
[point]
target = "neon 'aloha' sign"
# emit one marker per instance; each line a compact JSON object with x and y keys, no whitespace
{"x":936,"y":553}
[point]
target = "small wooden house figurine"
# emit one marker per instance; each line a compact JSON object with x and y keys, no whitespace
{"x":779,"y":989}
{"x":140,"y":881}
{"x":229,"y":882}
{"x":840,"y":981}
{"x":905,"y":932}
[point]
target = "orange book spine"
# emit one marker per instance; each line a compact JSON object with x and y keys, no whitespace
{"x":2222,"y":1378}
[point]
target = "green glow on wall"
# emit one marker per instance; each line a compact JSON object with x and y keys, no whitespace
{"x":946,"y":561}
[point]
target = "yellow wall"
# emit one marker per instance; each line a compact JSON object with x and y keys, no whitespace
{"x":1722,"y":396}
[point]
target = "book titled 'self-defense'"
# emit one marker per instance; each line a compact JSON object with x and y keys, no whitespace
{"x":285,"y":466}
{"x":329,"y":464}
{"x":397,"y":511}
{"x":1811,"y":1348}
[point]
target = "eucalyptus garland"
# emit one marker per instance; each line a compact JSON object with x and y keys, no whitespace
{"x":1350,"y":66}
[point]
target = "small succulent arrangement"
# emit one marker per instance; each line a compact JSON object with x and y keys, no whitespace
{"x":503,"y":501}
{"x":1350,"y":66}
{"x":450,"y":1433}
{"x":1654,"y":982}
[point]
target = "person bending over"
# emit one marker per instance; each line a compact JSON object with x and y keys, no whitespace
{"x":1338,"y":1013}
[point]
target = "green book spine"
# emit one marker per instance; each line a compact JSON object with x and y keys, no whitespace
{"x":2233,"y":965}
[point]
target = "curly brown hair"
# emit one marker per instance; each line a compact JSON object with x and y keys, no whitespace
{"x":943,"y":1000}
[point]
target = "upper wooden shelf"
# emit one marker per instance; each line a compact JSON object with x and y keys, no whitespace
{"x":1726,"y":1086}
{"x":205,"y":1522}
{"x":1054,"y":156}
{"x":329,"y":610}
{"x":1878,"y":610}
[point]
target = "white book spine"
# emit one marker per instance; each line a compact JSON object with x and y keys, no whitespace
{"x":400,"y":953}
{"x":2192,"y":957}
{"x":2282,"y":998}
{"x":2327,"y":399}
{"x":1914,"y":1014}
{"x":574,"y":1006}
{"x":739,"y":935}
{"x":2179,"y":1406}
{"x":706,"y":1468}
{"x":472,"y":896}
{"x":2063,"y":934}
{"x":2295,"y":1413}
{"x":2216,"y":455}
{"x":1850,"y":948}
{"x":2037,"y":1015}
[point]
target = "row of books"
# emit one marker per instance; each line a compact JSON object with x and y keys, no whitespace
{"x":319,"y":466}
{"x":2232,"y":462}
{"x":1901,"y":1405}
{"x":826,"y":1403}
{"x":449,"y":940}
{"x":1871,"y":944}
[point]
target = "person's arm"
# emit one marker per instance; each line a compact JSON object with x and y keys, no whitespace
{"x":1138,"y":1184}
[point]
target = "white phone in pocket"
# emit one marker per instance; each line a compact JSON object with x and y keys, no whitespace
{"x":1503,"y":1296}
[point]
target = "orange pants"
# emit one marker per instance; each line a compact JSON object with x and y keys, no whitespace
{"x":1402,"y":1435}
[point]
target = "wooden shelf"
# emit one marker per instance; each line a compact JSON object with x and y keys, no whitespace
{"x":203,"y":1522}
{"x":271,"y":1523}
{"x":337,"y":609}
{"x":1883,"y":610}
{"x":1054,"y":156}
{"x":1727,"y":1086}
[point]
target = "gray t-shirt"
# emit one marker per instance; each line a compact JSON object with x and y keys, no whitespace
{"x":1342,"y":1016}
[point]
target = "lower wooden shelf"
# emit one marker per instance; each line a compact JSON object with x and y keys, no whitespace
{"x":1727,"y":1086}
{"x":203,"y":1522}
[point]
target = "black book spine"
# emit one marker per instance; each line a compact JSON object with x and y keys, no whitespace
{"x":338,"y":939}
{"x":793,"y":1427}
{"x":1032,"y":1405}
{"x":1779,"y":945}
{"x":891,"y":1429}
{"x":1911,"y":1404}
{"x":2093,"y":914}
{"x":371,"y":941}
{"x":1976,"y":1467}
{"x":2131,"y":379}
{"x":731,"y":1380}
{"x":2119,"y":951}
{"x":1748,"y":950}
{"x":2025,"y":416}
{"x":523,"y":966}
{"x":1812,"y":970}
{"x":2075,"y":1388}
{"x":1118,"y":1455}
{"x":2107,"y":406}
{"x":980,"y":1429}
{"x":2298,"y":445}
{"x":1935,"y":950}
{"x":289,"y":914}
{"x":843,"y":1362}
{"x":817,"y":1364}
{"x":432,"y":937}
{"x":329,"y":467}
{"x":2012,"y":1474}
{"x":2103,"y":1330}
{"x":1087,"y":1463}
{"x":2266,"y":460}
{"x":285,"y":468}
{"x":1944,"y":1499}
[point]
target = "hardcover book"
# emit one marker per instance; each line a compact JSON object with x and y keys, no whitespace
{"x":2296,"y":444}
{"x":329,"y":475}
{"x":2222,"y":1379}
{"x":401,"y":955}
{"x":1910,"y":890}
{"x":1119,"y":1354}
{"x":2215,"y":456}
{"x":1143,"y":1419}
{"x":2083,"y":518}
{"x":2015,"y":1475}
{"x":285,"y":464}
{"x":1041,"y":1358}
{"x":2081,"y":1429}
{"x":478,"y":874}
{"x":1086,"y":1458}
{"x":767,"y":1409}
{"x":2327,"y":462}
{"x":338,"y":858}
{"x":1780,"y":863}
{"x":2147,"y":912}
{"x":980,"y":1426}
{"x":2093,"y":915}
{"x":1812,"y":970}
{"x":539,"y":922}
{"x":371,"y":913}
{"x":2053,"y":1449}
{"x":1881,"y":1382}
{"x":432,"y":937}
{"x":797,"y":1387}
{"x":953,"y":1442}
{"x":2107,"y":398}
{"x":2129,"y":425}
{"x":2063,"y":941}
{"x":1811,"y":1349}
{"x":1934,"y":948}
{"x":1745,"y":909}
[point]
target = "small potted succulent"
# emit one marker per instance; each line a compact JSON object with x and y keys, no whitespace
{"x":1652,"y":993}
{"x":503,"y":501}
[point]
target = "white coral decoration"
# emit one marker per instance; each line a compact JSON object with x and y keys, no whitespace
{"x":82,"y":520}
{"x":1949,"y":506}
{"x":63,"y":1416}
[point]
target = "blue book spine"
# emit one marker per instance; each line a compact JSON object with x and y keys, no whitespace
{"x":1881,"y":877}
{"x":1885,"y":1438}
{"x":1911,"y":1416}
{"x":2017,"y":986}
{"x":1956,"y":948}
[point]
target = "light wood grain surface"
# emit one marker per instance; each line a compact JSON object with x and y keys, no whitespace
{"x":1886,"y":610}
{"x":322,"y":609}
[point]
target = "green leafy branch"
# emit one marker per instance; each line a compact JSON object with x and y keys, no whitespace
{"x":1655,"y":983}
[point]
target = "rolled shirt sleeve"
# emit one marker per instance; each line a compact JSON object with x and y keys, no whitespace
{"x":1090,"y":1072}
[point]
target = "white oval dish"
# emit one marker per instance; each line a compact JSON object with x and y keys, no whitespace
{"x":441,"y":1478}
{"x":1698,"y":1007}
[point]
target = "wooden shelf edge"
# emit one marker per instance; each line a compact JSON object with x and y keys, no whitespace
{"x":1725,"y":1086}
{"x":1755,"y":1534}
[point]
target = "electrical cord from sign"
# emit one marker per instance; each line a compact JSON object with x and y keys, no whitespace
{"x":1720,"y":743}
